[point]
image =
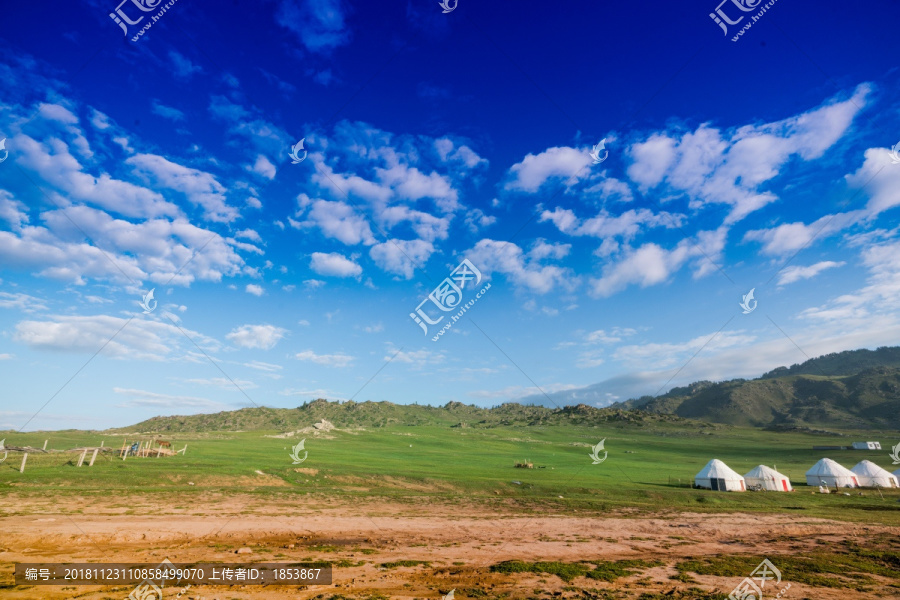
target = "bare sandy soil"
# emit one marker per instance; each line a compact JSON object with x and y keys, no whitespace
{"x":459,"y":540}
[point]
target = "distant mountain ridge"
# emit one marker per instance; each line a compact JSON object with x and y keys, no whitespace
{"x":379,"y":414}
{"x":857,"y":389}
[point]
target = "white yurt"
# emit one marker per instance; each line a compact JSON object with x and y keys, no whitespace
{"x":871,"y":475}
{"x":718,"y":476}
{"x":830,"y":474}
{"x":768,"y":479}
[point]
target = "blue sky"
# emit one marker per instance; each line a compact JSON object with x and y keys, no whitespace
{"x":163,"y":163}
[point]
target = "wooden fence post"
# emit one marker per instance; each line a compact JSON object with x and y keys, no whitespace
{"x":45,"y":444}
{"x":96,"y":450}
{"x":81,"y":460}
{"x":24,"y":458}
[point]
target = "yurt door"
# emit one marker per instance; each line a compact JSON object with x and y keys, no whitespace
{"x":718,"y":485}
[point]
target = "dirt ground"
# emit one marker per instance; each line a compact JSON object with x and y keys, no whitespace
{"x":459,"y":540}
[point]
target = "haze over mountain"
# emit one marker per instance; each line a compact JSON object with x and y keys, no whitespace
{"x":854,"y":389}
{"x":858,"y":389}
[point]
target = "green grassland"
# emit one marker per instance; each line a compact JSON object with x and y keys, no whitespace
{"x":649,"y":466}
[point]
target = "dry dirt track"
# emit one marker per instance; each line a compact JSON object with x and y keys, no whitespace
{"x":459,"y":542}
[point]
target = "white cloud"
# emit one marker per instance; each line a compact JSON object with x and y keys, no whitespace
{"x":143,"y":398}
{"x":336,"y":220}
{"x":57,"y":112}
{"x":449,"y":152}
{"x":326,"y":360}
{"x":534,"y":170}
{"x":248,"y":234}
{"x":788,"y":238}
{"x":427,"y":226}
{"x":199,"y":187}
{"x":334,"y":264}
{"x":792,"y":274}
{"x":319,"y":24}
{"x":158,"y":250}
{"x":409,"y":183}
{"x":62,"y":171}
{"x":875,"y":302}
{"x":876,"y":176}
{"x":508,"y":258}
{"x":167,"y":112}
{"x":254,"y":289}
{"x":626,"y":225}
{"x":601,"y":336}
{"x":263,"y":166}
{"x":419,"y":358}
{"x":256,"y":336}
{"x":881,"y":178}
{"x":518,"y":392}
{"x":715,"y":167}
{"x":650,"y":264}
{"x":224,"y":383}
{"x":183,"y":67}
{"x":12,"y":211}
{"x":21,"y":301}
{"x":119,"y":338}
{"x":401,"y":257}
{"x":262,"y":366}
{"x":99,"y":120}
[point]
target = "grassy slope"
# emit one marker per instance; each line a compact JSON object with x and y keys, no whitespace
{"x":449,"y":464}
{"x":869,"y":399}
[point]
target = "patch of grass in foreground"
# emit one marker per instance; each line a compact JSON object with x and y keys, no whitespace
{"x":404,"y":563}
{"x":610,"y":571}
{"x":565,"y":571}
{"x":605,"y":571}
{"x":821,"y":569}
{"x":692,"y":594}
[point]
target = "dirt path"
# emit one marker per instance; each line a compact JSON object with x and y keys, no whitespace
{"x":458,"y":542}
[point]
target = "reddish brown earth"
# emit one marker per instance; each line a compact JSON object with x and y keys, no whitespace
{"x":459,"y":540}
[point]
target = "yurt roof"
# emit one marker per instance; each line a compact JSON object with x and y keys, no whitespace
{"x":718,"y":470}
{"x":826,"y":466}
{"x":869,"y":469}
{"x":763,"y":471}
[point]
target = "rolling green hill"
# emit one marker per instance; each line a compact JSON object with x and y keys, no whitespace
{"x":858,"y":389}
{"x":382,"y":414}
